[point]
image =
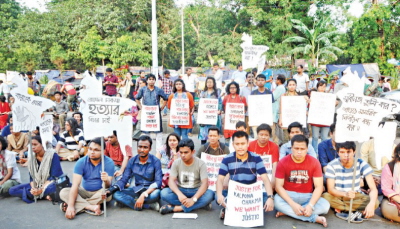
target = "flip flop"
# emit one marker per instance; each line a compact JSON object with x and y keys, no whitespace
{"x":93,"y":213}
{"x":166,"y":209}
{"x":354,"y":218}
{"x":63,"y":207}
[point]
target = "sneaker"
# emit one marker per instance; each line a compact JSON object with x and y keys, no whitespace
{"x":208,"y":207}
{"x":155,"y":206}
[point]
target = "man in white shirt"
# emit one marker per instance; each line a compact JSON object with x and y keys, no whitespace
{"x":4,"y":89}
{"x":218,"y":74}
{"x":190,"y":81}
{"x":302,"y":81}
{"x":239,"y":76}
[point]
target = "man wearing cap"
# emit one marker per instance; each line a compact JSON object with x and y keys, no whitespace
{"x":110,"y":82}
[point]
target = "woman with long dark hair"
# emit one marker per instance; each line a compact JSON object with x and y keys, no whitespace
{"x":168,"y":153}
{"x":73,"y":141}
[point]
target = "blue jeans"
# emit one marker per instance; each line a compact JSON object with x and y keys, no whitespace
{"x":128,"y":198}
{"x":321,"y":207}
{"x":193,"y":123}
{"x":170,"y":197}
{"x":316,"y":133}
{"x":23,"y":191}
{"x":183,"y":133}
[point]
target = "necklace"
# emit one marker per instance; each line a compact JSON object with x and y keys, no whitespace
{"x":236,"y":166}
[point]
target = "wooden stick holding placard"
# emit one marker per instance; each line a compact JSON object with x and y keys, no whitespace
{"x":354,"y":179}
{"x":32,"y":161}
{"x":104,"y":196}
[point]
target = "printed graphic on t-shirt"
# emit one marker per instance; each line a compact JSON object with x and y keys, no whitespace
{"x":299,"y":176}
{"x":187,"y":178}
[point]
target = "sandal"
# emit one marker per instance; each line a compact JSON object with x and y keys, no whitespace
{"x":222,"y":214}
{"x":355,"y":217}
{"x":93,"y":213}
{"x":166,"y":209}
{"x":63,"y":207}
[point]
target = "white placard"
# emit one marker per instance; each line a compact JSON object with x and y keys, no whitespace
{"x":234,"y":112}
{"x":150,"y":118}
{"x":244,"y":205}
{"x":213,"y":163}
{"x":294,"y":109}
{"x":267,"y":161}
{"x":260,"y":110}
{"x":383,"y":142}
{"x":46,"y":130}
{"x":322,"y":108}
{"x":125,"y":134}
{"x":208,"y":112}
{"x":251,"y":54}
{"x":180,"y":112}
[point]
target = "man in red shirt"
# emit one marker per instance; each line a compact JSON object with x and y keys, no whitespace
{"x":113,"y":150}
{"x":110,"y":82}
{"x":264,"y":147}
{"x":299,"y":185}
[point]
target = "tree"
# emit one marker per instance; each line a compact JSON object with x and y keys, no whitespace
{"x":28,"y":56}
{"x":58,"y":56}
{"x":128,"y":50}
{"x":92,"y":49}
{"x":315,"y":42}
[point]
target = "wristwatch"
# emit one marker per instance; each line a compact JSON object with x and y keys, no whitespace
{"x":270,"y":196}
{"x":194,"y":199}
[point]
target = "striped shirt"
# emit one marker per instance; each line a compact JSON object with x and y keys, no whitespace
{"x":70,"y":142}
{"x":344,"y":177}
{"x":242,"y":172}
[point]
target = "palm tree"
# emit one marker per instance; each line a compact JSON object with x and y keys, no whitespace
{"x":315,"y":41}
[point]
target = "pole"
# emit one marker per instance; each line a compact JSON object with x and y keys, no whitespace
{"x":154,"y":43}
{"x":104,"y":184}
{"x":183,"y":41}
{"x":354,"y":178}
{"x":32,"y":161}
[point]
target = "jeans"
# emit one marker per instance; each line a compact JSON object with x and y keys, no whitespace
{"x":128,"y":197}
{"x":315,"y":135}
{"x":321,"y":207}
{"x":193,"y":124}
{"x":170,"y":197}
{"x":183,"y":133}
{"x":23,"y":191}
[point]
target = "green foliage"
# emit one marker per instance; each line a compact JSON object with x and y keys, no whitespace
{"x":58,"y":56}
{"x":28,"y":56}
{"x":127,"y":50}
{"x":44,"y":79}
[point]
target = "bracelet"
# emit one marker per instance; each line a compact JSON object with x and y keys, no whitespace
{"x":312,"y":206}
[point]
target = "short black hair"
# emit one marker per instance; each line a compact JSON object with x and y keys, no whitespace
{"x":186,"y":143}
{"x":254,"y":70}
{"x":3,"y":142}
{"x":239,"y":65}
{"x":150,"y":76}
{"x":240,"y":134}
{"x":346,"y":145}
{"x":141,"y":71}
{"x":187,"y":69}
{"x":214,"y":128}
{"x":145,"y":138}
{"x":109,"y":70}
{"x":166,"y":72}
{"x":289,"y":80}
{"x":58,"y":93}
{"x":216,"y":64}
{"x":321,"y":83}
{"x":78,"y":113}
{"x":98,"y":142}
{"x":9,"y":117}
{"x":332,"y":127}
{"x":261,"y":76}
{"x":144,"y":81}
{"x":2,"y":98}
{"x":295,"y":125}
{"x":301,"y":66}
{"x":240,"y":124}
{"x":29,"y":73}
{"x":281,"y":78}
{"x":229,"y":85}
{"x":266,"y":127}
{"x":115,"y":133}
{"x":299,"y":138}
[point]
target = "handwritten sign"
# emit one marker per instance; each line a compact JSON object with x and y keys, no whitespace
{"x":359,"y":116}
{"x":260,"y":110}
{"x":125,"y":134}
{"x":251,"y":54}
{"x":244,"y":205}
{"x":293,"y":109}
{"x":208,"y":111}
{"x":150,"y":118}
{"x":213,"y":164}
{"x":267,"y":161}
{"x":180,"y":112}
{"x":234,"y":113}
{"x":384,"y":138}
{"x":46,"y":129}
{"x":322,"y":108}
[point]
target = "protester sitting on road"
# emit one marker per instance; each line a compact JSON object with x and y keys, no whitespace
{"x":391,"y":187}
{"x":18,"y":143}
{"x":299,"y":185}
{"x":6,"y":130}
{"x":44,"y":166}
{"x":113,"y":150}
{"x":5,"y":110}
{"x":240,"y":126}
{"x":188,"y":183}
{"x":60,"y":110}
{"x":339,"y":174}
{"x":168,"y":152}
{"x":295,"y":128}
{"x":213,"y":146}
{"x":264,"y":146}
{"x":145,"y":168}
{"x":9,"y":172}
{"x":79,"y":119}
{"x":72,"y":140}
{"x":327,"y":149}
{"x":88,"y":172}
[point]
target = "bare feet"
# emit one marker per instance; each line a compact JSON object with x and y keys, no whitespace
{"x":94,"y":208}
{"x":321,"y":220}
{"x":337,"y":210}
{"x":278,"y":214}
{"x":48,"y":198}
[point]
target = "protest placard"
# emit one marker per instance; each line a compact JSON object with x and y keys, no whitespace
{"x":208,"y":112}
{"x":46,"y":130}
{"x":260,"y":110}
{"x":384,"y":138}
{"x":234,"y":112}
{"x":125,"y":134}
{"x":244,"y":205}
{"x":150,"y":118}
{"x":294,"y":109}
{"x":180,"y":112}
{"x":213,"y":164}
{"x":322,"y":108}
{"x":267,"y":161}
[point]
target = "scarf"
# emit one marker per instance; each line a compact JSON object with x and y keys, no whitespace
{"x":3,"y":165}
{"x":396,"y":177}
{"x":41,"y":173}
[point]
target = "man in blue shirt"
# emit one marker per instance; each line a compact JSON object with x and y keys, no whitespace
{"x":88,"y":172}
{"x":295,"y":128}
{"x":239,"y":76}
{"x":147,"y":173}
{"x":268,"y":74}
{"x":243,"y":167}
{"x":327,"y":149}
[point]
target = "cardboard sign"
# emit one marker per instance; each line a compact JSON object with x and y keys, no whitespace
{"x":150,"y":117}
{"x":294,"y":109}
{"x":208,"y":112}
{"x":322,"y":108}
{"x":46,"y":130}
{"x":267,"y":160}
{"x":260,"y":110}
{"x":234,"y":112}
{"x":180,"y":112}
{"x":244,"y":205}
{"x":384,"y":138}
{"x":213,"y":164}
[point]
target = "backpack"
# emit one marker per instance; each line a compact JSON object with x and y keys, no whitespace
{"x":61,"y":182}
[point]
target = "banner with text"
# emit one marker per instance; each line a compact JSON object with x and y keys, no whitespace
{"x":208,"y":112}
{"x":260,"y":110}
{"x":294,"y":109}
{"x":46,"y":130}
{"x":234,"y":112}
{"x":212,"y":163}
{"x":322,"y":108}
{"x":267,"y":161}
{"x":180,"y":112}
{"x":150,"y":118}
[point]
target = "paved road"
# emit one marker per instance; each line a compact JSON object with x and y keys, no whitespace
{"x":14,"y":213}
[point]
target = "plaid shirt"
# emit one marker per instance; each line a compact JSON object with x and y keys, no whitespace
{"x":167,"y":85}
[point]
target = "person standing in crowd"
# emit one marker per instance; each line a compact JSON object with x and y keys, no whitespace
{"x":142,"y":75}
{"x":60,"y":110}
{"x":267,"y":72}
{"x":327,"y":149}
{"x":168,"y":152}
{"x":125,"y":85}
{"x":213,"y":146}
{"x":44,"y":167}
{"x":167,"y":87}
{"x":188,"y":183}
{"x":233,"y":96}
{"x":314,"y":82}
{"x":277,"y":132}
{"x":6,"y":130}
{"x":218,"y":75}
{"x":5,"y":110}
{"x":295,"y":128}
{"x":302,"y":81}
{"x":151,"y":97}
{"x":299,"y":185}
{"x":132,"y":82}
{"x":69,"y":89}
{"x":210,"y":92}
{"x":191,"y":83}
{"x":239,"y":76}
{"x":245,"y":92}
{"x":86,"y":192}
{"x":72,"y":142}
{"x":110,"y":82}
{"x":261,"y":90}
{"x":179,"y":92}
{"x":33,"y":83}
{"x":113,"y":151}
{"x":4,"y":89}
{"x":9,"y":172}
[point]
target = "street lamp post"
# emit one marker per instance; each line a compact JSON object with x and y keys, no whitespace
{"x":154,"y":43}
{"x":183,"y":41}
